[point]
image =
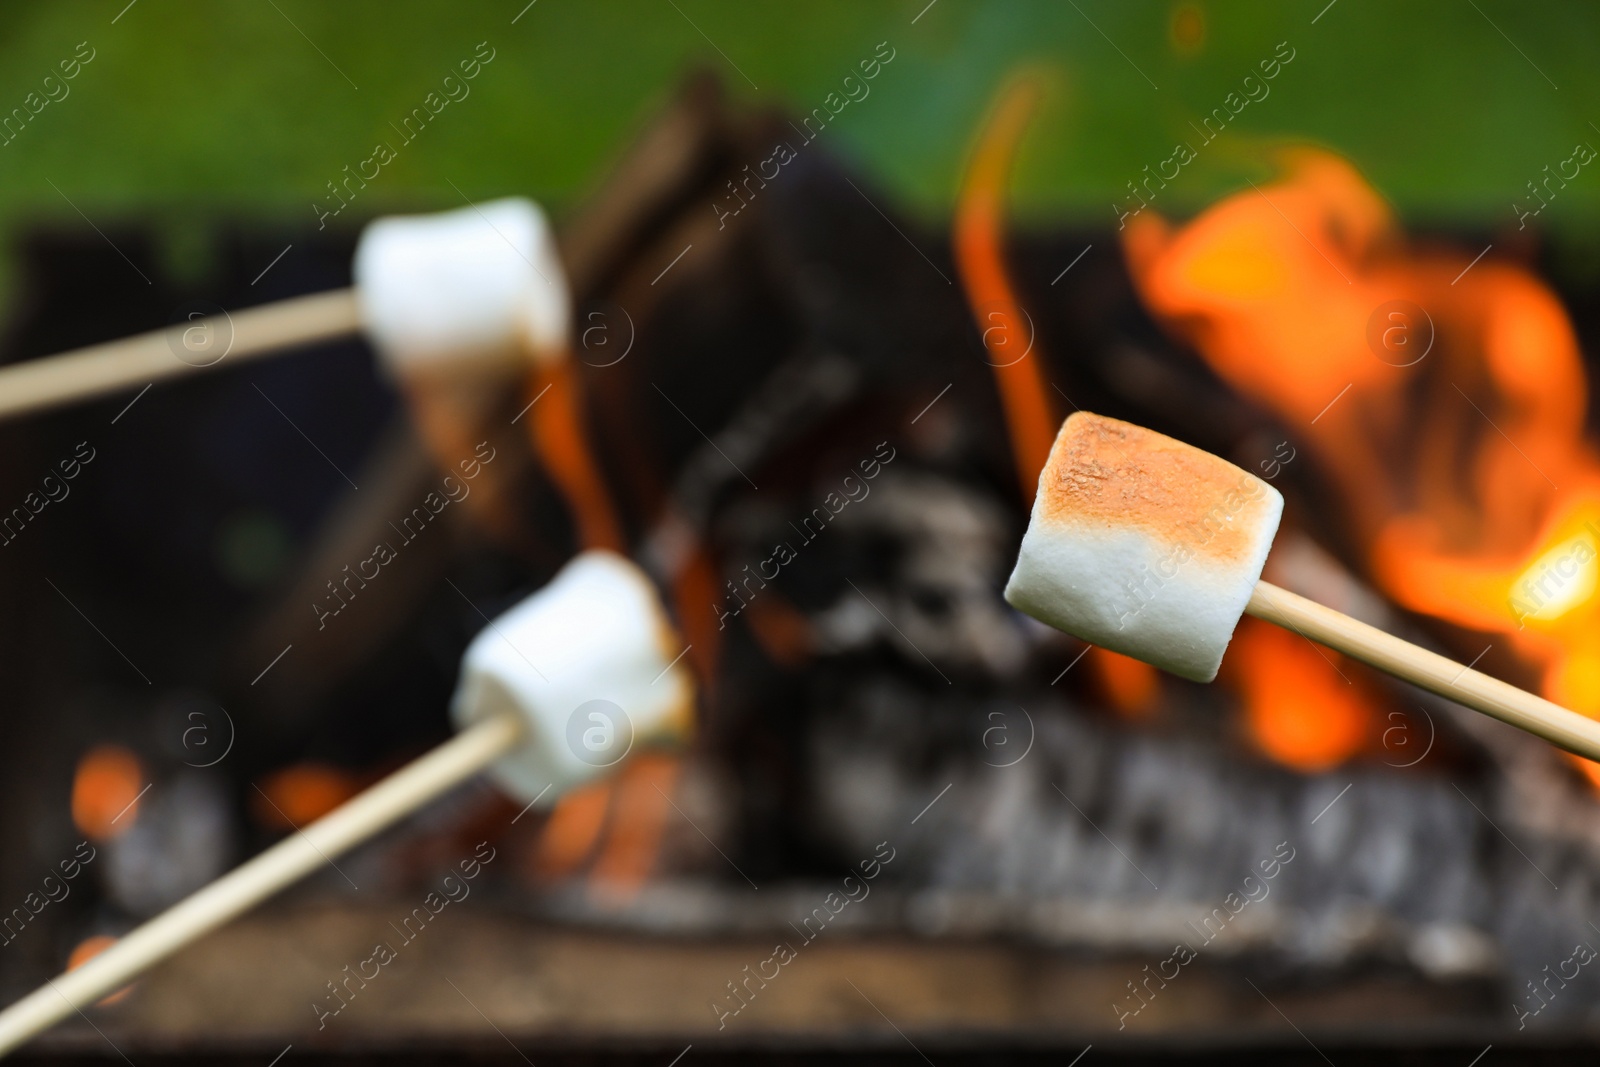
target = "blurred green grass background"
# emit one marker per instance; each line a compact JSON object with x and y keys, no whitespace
{"x":204,"y":112}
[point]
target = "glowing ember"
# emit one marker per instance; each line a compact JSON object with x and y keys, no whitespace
{"x":88,"y":949}
{"x":105,"y":792}
{"x":304,"y":793}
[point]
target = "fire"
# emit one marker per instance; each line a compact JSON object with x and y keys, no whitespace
{"x":572,"y":833}
{"x":1007,"y":335}
{"x":1445,"y":397}
{"x":614,"y":826}
{"x":644,"y":790}
{"x":1133,"y":687}
{"x":557,"y":432}
{"x":1299,"y":706}
{"x":1562,"y":576}
{"x":105,"y":792}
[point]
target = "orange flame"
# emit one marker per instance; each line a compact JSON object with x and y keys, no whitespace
{"x":643,"y":799}
{"x":617,"y":822}
{"x":1460,"y":461}
{"x":1298,"y":708}
{"x":556,"y":429}
{"x":1131,"y":685}
{"x":1008,"y":337}
{"x":980,"y":261}
{"x":572,"y":832}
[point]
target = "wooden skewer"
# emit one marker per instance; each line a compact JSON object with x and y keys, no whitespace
{"x":35,"y":384}
{"x":250,"y":883}
{"x":1453,"y":681}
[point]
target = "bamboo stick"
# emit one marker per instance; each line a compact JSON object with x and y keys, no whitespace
{"x":37,"y":384}
{"x":1428,"y":670}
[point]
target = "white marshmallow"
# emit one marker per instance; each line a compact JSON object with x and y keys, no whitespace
{"x":588,"y":664}
{"x":1143,"y":545}
{"x":480,"y":284}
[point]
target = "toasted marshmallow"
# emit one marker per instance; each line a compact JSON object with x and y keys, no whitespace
{"x":479,"y":285}
{"x":590,"y":664}
{"x":1143,"y":545}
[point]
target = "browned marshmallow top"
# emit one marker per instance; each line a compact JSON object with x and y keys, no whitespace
{"x":1107,"y":474}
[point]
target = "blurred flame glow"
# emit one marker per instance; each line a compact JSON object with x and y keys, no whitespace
{"x":1452,"y":428}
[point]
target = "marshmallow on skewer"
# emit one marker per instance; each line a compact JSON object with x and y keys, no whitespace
{"x":482,"y":284}
{"x":590,"y":657}
{"x":591,"y":665}
{"x":1153,"y":548}
{"x":1143,"y":545}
